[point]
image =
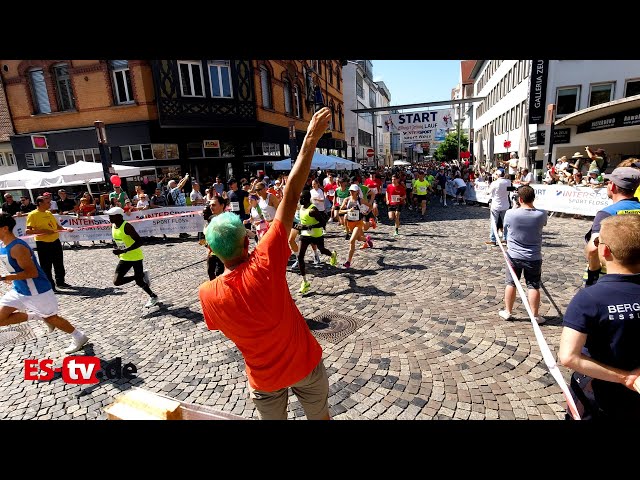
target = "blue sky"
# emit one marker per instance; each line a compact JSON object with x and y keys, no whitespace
{"x":417,"y":81}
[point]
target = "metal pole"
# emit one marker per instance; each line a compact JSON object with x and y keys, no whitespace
{"x":459,"y":128}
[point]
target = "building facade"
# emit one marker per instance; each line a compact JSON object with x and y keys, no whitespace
{"x":383,"y":139}
{"x":169,"y":117}
{"x":360,"y":91}
{"x":7,"y":158}
{"x":586,"y":97}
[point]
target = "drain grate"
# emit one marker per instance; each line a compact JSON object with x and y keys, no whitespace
{"x":19,"y":333}
{"x":332,"y":327}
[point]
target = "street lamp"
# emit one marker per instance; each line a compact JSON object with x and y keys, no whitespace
{"x":105,"y":156}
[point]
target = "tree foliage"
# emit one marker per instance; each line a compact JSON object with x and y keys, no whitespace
{"x":448,"y":149}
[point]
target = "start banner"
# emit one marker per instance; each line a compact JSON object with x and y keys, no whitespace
{"x":153,"y":222}
{"x":554,"y":198}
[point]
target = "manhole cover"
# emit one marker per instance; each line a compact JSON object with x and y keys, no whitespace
{"x":19,"y":333}
{"x":332,"y":327}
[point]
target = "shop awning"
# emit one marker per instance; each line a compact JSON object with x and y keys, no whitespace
{"x":610,"y":108}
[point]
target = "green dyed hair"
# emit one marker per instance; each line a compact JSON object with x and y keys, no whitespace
{"x":225,"y":235}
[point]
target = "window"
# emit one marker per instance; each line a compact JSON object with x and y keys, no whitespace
{"x":265,"y":84}
{"x":372,"y":97}
{"x":632,"y":88}
{"x":359,"y":87}
{"x":567,"y":100}
{"x":287,"y":96}
{"x":220,"y":78}
{"x":330,"y":74}
{"x":136,"y":152}
{"x":601,"y":93}
{"x":63,"y":87}
{"x":12,"y":159}
{"x":3,"y":162}
{"x":121,"y":77}
{"x":39,"y":91}
{"x":40,"y":159}
{"x":191,"y":83}
{"x":338,"y":79}
{"x":339,"y":118}
{"x":364,"y":138}
{"x":333,"y":116}
{"x":296,"y":101}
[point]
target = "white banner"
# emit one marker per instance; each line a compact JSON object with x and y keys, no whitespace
{"x":427,"y":126}
{"x":153,"y":222}
{"x":554,"y":198}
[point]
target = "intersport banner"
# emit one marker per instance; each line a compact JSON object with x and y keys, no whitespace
{"x":427,"y":126}
{"x":153,"y":222}
{"x":554,"y":198}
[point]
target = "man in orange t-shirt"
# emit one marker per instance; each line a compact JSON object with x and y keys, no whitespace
{"x":250,"y":302}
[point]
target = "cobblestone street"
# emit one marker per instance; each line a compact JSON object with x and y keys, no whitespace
{"x":420,"y":339}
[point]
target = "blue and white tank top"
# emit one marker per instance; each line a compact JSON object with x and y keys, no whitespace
{"x":30,"y":286}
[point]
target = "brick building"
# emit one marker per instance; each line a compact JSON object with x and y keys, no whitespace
{"x":168,"y":116}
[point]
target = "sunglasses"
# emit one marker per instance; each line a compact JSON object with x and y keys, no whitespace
{"x":597,"y":242}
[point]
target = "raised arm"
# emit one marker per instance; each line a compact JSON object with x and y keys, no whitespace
{"x":300,"y":171}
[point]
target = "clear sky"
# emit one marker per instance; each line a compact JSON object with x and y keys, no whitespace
{"x":417,"y":81}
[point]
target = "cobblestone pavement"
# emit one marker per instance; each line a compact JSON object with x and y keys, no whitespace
{"x":421,"y":338}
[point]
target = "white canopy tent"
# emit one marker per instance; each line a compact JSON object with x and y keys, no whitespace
{"x":400,"y":163}
{"x":79,"y":173}
{"x":324,"y":162}
{"x":20,"y":178}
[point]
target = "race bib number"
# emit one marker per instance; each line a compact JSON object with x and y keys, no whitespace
{"x":408,"y":184}
{"x":120,"y":244}
{"x":364,"y":208}
{"x":353,"y":215}
{"x":395,"y":198}
{"x":235,"y":206}
{"x":266,"y":216}
{"x":374,"y":190}
{"x":422,"y":190}
{"x":331,"y":193}
{"x":7,"y":265}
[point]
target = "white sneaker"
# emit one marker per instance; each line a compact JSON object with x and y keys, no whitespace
{"x":295,"y":265}
{"x":151,"y":302}
{"x":540,"y":320}
{"x":76,"y":345}
{"x":505,"y":315}
{"x":146,"y":278}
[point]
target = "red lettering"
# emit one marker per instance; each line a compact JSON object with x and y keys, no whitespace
{"x":45,"y":368}
{"x":31,"y":369}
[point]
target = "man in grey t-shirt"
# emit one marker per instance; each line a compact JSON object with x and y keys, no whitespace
{"x":524,"y":250}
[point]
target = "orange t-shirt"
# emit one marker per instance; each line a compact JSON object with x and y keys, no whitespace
{"x":252,"y":306}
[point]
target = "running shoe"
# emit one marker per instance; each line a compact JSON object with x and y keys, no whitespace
{"x":540,"y":320}
{"x":505,"y":315}
{"x":76,"y":345}
{"x":369,"y":242}
{"x":396,"y":232}
{"x":334,"y":258}
{"x":346,"y":264}
{"x":304,"y":287}
{"x":364,"y":245}
{"x":347,"y":236}
{"x":295,"y":265}
{"x":151,"y":302}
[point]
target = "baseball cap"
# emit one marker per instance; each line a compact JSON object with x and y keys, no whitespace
{"x":46,"y":194}
{"x":354,"y":188}
{"x":115,"y":211}
{"x":625,"y":177}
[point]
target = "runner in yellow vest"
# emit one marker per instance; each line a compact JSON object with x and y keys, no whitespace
{"x":311,"y":224}
{"x":128,"y":249}
{"x":420,"y":189}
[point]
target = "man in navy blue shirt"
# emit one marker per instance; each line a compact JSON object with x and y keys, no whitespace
{"x":621,"y":187}
{"x":600,"y":340}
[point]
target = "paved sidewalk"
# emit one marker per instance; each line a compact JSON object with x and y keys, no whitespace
{"x":414,"y":330}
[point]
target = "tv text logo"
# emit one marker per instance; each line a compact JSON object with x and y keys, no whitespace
{"x":83,"y":370}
